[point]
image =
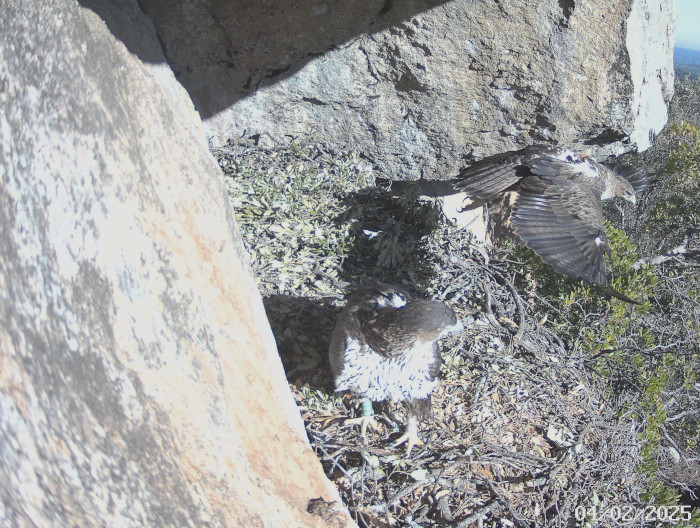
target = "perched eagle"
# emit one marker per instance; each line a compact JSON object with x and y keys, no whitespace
{"x":384,"y":347}
{"x":557,"y":211}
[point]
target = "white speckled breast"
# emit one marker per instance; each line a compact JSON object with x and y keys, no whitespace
{"x":373,"y":376}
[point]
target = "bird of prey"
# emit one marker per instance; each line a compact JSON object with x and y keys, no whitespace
{"x":557,"y":211}
{"x":384,"y":347}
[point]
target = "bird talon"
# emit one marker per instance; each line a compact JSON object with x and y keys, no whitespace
{"x":365,"y":422}
{"x":410,"y":438}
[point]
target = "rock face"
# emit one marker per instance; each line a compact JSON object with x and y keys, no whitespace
{"x":423,"y":87}
{"x":139,"y":381}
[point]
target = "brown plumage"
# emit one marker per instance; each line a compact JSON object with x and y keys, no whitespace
{"x":558,"y":211}
{"x":384,"y":347}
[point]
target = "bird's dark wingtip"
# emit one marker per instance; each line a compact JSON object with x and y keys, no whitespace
{"x":636,"y":176}
{"x":609,"y":290}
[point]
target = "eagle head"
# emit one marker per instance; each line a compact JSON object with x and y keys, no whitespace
{"x":616,"y":186}
{"x":626,"y":191}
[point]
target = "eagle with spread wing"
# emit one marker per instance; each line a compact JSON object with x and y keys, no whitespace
{"x":384,"y":347}
{"x":558,"y":210}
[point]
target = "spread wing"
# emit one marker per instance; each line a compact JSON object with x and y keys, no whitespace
{"x":562,"y":221}
{"x":494,"y":174}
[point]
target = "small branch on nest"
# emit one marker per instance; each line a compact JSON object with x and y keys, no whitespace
{"x":653,"y":351}
{"x":659,"y":259}
{"x":483,"y":512}
{"x":334,"y":460}
{"x":504,"y":500}
{"x":407,"y":490}
{"x":682,"y":415}
{"x":479,"y":388}
{"x":518,"y":459}
{"x":444,"y":508}
{"x":482,"y":251}
{"x":519,"y":303}
{"x":489,"y":312}
{"x":675,"y":446}
{"x":680,"y":250}
{"x":519,"y":337}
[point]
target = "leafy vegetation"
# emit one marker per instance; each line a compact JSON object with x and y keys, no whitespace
{"x":677,"y":208}
{"x":670,"y":234}
{"x":313,"y":225}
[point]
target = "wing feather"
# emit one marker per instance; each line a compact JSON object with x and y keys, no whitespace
{"x":563,"y":223}
{"x":392,"y":332}
{"x":494,"y":174}
{"x":558,"y":211}
{"x":636,"y":176}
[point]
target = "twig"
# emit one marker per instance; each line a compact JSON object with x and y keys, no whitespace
{"x":444,"y":508}
{"x":681,"y":249}
{"x":521,"y":310}
{"x":479,"y":388}
{"x":504,"y":500}
{"x":682,"y":415}
{"x":489,"y":312}
{"x":407,"y":490}
{"x":483,"y":512}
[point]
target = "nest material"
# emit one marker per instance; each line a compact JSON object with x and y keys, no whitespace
{"x":520,"y":432}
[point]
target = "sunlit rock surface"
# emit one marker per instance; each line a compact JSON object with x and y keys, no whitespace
{"x":139,"y":381}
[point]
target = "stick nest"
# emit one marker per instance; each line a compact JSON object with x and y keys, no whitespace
{"x":521,"y":433}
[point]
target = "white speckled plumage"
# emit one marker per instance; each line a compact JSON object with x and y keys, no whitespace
{"x":369,"y":374}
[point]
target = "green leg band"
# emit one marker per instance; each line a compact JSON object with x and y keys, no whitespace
{"x":366,"y":407}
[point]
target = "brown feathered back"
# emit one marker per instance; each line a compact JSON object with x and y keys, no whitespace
{"x":557,"y":211}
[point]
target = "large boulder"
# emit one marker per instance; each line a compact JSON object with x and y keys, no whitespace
{"x":139,"y":380}
{"x":422,"y":87}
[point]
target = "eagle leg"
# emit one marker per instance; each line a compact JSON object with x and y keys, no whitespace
{"x":410,"y":437}
{"x":365,"y":421}
{"x":416,"y":409}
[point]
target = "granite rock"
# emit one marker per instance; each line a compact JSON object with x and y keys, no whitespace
{"x":139,"y":379}
{"x":421,"y":87}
